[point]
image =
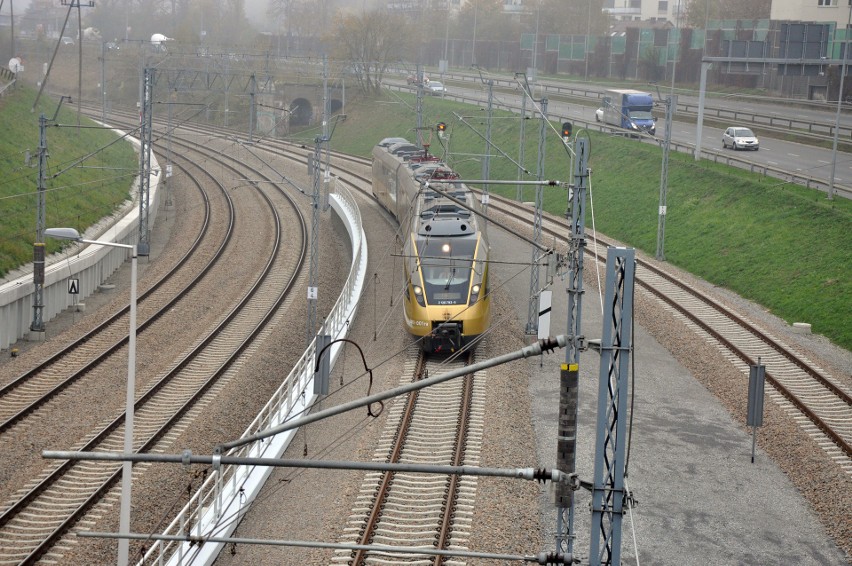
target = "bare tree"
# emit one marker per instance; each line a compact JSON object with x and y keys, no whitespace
{"x":699,"y":12}
{"x":578,"y":17}
{"x":369,"y":42}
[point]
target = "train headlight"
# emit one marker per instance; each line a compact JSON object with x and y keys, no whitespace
{"x":418,"y":295}
{"x":474,"y":293}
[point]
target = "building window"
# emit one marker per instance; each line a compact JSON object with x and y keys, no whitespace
{"x":826,"y":2}
{"x":636,"y":4}
{"x":663,"y":6}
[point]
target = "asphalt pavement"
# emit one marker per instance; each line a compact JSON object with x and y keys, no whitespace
{"x":700,"y":498}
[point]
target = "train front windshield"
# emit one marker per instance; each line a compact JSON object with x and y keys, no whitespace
{"x":446,"y":265}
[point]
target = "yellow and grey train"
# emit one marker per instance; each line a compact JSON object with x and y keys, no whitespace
{"x":447,"y":304}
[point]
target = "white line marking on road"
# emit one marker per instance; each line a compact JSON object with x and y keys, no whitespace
{"x":793,"y":155}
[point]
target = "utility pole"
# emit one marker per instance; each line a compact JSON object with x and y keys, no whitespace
{"x":320,"y":176}
{"x":252,"y":107}
{"x":522,"y":142}
{"x":52,"y":58}
{"x":37,"y":324}
{"x":313,"y":282}
{"x":103,"y":81}
{"x":12,"y":24}
{"x":588,"y":31}
{"x":671,"y":104}
{"x":143,"y":246}
{"x":473,"y":50}
{"x":486,"y":163}
{"x":569,"y":375}
{"x":78,"y":4}
{"x":535,"y":43}
{"x":447,"y":37}
{"x":532,"y":311}
{"x":326,"y":119}
{"x":839,"y":104}
{"x":609,"y":492}
{"x":167,"y":181}
{"x":418,"y":105}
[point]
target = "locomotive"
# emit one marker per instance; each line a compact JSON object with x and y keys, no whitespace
{"x":447,"y":304}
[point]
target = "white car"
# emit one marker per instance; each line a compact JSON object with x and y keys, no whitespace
{"x":740,"y":138}
{"x":599,"y":115}
{"x":436,"y":88}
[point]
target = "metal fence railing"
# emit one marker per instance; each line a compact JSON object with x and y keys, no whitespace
{"x":220,"y":503}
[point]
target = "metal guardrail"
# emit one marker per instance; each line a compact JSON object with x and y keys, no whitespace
{"x":805,"y":180}
{"x":782,"y":123}
{"x":7,"y":77}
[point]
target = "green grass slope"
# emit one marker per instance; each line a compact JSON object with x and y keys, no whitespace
{"x":780,"y":245}
{"x":88,"y":175}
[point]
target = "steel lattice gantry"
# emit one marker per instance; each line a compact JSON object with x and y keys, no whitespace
{"x":566,"y":444}
{"x":143,"y":245}
{"x":608,"y":493}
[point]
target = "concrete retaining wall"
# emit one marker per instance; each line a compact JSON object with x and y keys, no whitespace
{"x":91,"y":264}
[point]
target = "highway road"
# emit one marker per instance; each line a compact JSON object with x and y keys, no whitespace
{"x":799,"y":159}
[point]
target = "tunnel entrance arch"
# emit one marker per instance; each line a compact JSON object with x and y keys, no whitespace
{"x":301,"y":112}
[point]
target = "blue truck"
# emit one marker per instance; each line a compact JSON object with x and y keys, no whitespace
{"x":629,"y":109}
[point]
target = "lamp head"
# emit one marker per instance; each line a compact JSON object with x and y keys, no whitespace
{"x":63,"y":233}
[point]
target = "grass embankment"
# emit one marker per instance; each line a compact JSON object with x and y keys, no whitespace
{"x":86,"y":177}
{"x":780,"y":245}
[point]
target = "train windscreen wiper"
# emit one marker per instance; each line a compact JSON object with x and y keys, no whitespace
{"x":449,"y":279}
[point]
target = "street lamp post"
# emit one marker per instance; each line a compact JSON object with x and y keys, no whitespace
{"x":127,"y":466}
{"x":845,"y":53}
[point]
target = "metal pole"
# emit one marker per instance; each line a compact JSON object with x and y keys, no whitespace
{"x":127,"y":467}
{"x":566,"y":446}
{"x":702,"y":89}
{"x":143,"y":242}
{"x":535,"y":43}
{"x":532,"y":310}
{"x":37,"y":324}
{"x":313,"y":278}
{"x":79,"y":65}
{"x":677,"y":44}
{"x":486,"y":163}
{"x":12,"y":24}
{"x":839,"y":104}
{"x":609,"y":494}
{"x":103,"y":81}
{"x":473,"y":51}
{"x":52,"y":58}
{"x":418,"y":105}
{"x":522,"y":142}
{"x":252,"y":106}
{"x":588,"y":31}
{"x":447,"y":35}
{"x":671,"y":103}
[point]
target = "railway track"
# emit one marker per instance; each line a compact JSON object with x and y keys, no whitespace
{"x":819,"y":402}
{"x":37,"y":386}
{"x":437,"y":425}
{"x":64,"y":494}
